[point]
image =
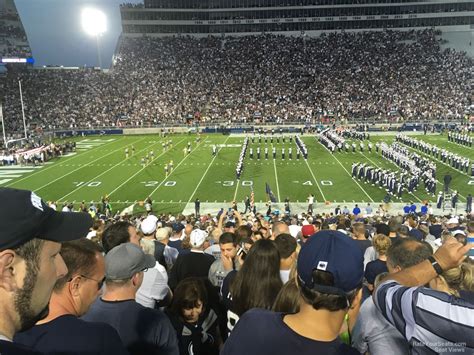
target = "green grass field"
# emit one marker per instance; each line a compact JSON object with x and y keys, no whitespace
{"x":99,"y":167}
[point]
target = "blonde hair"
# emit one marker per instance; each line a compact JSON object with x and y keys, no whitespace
{"x":148,"y":246}
{"x":293,"y":271}
{"x":459,"y":278}
{"x":381,"y":243}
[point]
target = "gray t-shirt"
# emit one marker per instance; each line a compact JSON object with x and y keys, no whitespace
{"x":376,"y":335}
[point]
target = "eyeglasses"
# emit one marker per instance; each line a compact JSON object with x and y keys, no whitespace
{"x":100,"y":283}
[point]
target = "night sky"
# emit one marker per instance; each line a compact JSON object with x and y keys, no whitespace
{"x":55,"y":33}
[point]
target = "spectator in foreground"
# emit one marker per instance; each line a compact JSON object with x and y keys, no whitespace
{"x":458,"y":281}
{"x":62,"y":330}
{"x":30,"y":263}
{"x":194,"y":320}
{"x":286,"y":246}
{"x":255,"y":285}
{"x":153,"y":288}
{"x":279,"y":228}
{"x":330,"y":274}
{"x":142,"y":330}
{"x":193,"y":264}
{"x":226,"y":263}
{"x":359,"y":236}
{"x":372,"y":332}
{"x":288,"y":299}
{"x":373,"y":268}
{"x":432,"y":321}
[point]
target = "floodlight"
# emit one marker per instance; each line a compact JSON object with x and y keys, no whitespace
{"x":94,"y":21}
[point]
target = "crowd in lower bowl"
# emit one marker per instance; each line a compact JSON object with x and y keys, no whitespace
{"x":233,"y":283}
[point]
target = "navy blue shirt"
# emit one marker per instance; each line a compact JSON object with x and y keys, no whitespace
{"x":177,"y":244}
{"x":200,"y":338}
{"x":261,"y":332}
{"x":363,"y":244}
{"x":9,"y":348}
{"x":193,"y":264}
{"x":71,"y":335}
{"x":436,"y":230}
{"x":142,"y":330}
{"x":374,"y":268}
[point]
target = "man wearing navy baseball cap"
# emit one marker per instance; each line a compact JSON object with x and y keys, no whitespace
{"x":30,"y":263}
{"x":330,"y":273}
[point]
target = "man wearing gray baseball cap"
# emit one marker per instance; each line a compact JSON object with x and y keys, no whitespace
{"x":142,"y":330}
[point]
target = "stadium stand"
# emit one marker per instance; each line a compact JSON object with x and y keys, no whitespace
{"x":369,"y":281}
{"x":387,"y":76}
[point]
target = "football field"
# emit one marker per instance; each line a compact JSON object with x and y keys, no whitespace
{"x":99,"y":167}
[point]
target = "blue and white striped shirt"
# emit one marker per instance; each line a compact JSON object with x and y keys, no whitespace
{"x":433,"y":322}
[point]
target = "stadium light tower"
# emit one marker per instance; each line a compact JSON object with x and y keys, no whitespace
{"x":94,"y":23}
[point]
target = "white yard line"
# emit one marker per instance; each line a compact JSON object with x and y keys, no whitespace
{"x":276,"y":178}
{"x":166,"y":178}
{"x":106,"y":171}
{"x":59,"y":164}
{"x":143,"y":168}
{"x":82,"y":166}
{"x":205,"y":173}
{"x":363,"y":190}
{"x":315,"y":180}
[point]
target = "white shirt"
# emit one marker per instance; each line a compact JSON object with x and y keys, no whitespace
{"x":370,"y":255}
{"x":284,"y":275}
{"x":294,"y":230}
{"x":154,"y":287}
{"x":214,"y":250}
{"x":91,"y":234}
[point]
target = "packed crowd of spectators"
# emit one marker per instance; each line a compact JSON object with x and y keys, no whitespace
{"x":34,"y":152}
{"x":13,"y":40}
{"x":343,"y":283}
{"x":12,"y":31}
{"x":132,"y":5}
{"x":379,"y":75}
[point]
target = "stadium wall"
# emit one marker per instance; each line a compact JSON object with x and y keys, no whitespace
{"x":87,"y":132}
{"x":444,"y":29}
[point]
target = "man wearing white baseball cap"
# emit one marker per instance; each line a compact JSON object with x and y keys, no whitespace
{"x":196,"y":263}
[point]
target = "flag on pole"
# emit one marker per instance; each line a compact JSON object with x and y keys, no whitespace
{"x":252,"y":197}
{"x":127,"y":211}
{"x":269,"y":192}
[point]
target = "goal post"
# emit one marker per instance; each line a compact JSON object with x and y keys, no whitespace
{"x":2,"y":119}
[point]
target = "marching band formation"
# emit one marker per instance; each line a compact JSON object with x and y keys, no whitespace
{"x":459,"y":138}
{"x":387,"y":179}
{"x":419,"y":168}
{"x":455,"y":161}
{"x":240,"y":163}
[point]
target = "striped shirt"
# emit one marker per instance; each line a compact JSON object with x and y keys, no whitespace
{"x":433,"y":322}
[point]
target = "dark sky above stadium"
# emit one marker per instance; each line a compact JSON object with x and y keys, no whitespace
{"x":55,"y":33}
